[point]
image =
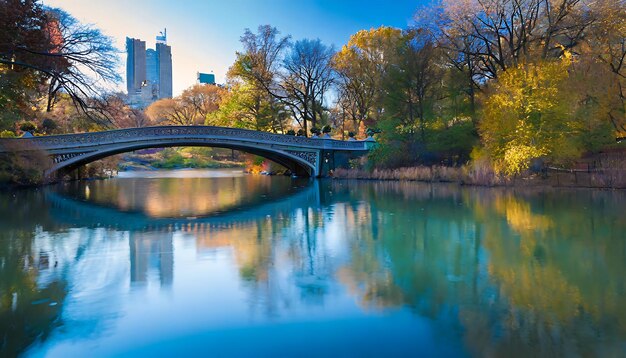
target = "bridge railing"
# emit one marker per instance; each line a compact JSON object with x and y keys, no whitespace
{"x":191,"y":132}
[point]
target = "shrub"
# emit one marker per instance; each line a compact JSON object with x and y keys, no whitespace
{"x":25,"y":168}
{"x":28,"y":126}
{"x":48,"y":125}
{"x":371,"y":131}
{"x":170,"y":159}
{"x":7,"y":134}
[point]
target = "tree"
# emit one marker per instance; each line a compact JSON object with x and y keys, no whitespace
{"x":607,"y":43}
{"x":192,"y":107}
{"x":82,"y":59}
{"x":306,"y":78}
{"x":120,"y":114}
{"x":7,"y":134}
{"x":411,"y":84}
{"x":50,"y":46}
{"x":255,"y":71}
{"x":28,"y":126}
{"x":244,"y":106}
{"x":70,"y":119}
{"x":259,"y":62}
{"x":451,"y":31}
{"x":489,"y":36}
{"x":205,"y":99}
{"x":22,"y":26}
{"x":48,"y":126}
{"x":171,"y":111}
{"x":531,"y":113}
{"x":268,"y":88}
{"x":362,"y":65}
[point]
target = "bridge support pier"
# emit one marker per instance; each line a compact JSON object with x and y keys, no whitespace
{"x":332,"y":160}
{"x":327,"y":163}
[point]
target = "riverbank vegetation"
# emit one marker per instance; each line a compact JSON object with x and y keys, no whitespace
{"x":177,"y":158}
{"x":610,"y":175}
{"x":510,"y":87}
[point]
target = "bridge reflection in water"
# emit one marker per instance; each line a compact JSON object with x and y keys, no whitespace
{"x":385,"y":266}
{"x":214,"y":211}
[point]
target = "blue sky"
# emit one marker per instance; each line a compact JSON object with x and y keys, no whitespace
{"x":204,"y":35}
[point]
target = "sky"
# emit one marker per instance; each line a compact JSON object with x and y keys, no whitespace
{"x":204,"y":35}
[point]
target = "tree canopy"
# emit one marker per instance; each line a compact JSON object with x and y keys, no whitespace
{"x":510,"y":81}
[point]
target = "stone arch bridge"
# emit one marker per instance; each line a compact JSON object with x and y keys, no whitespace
{"x":304,"y":156}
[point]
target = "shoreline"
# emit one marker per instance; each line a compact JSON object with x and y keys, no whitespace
{"x":470,"y":185}
{"x":570,"y":179}
{"x":564,"y":179}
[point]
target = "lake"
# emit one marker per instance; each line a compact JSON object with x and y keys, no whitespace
{"x":218,"y":263}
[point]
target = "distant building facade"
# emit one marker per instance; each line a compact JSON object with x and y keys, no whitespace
{"x":206,"y":78}
{"x":135,"y":64}
{"x":148,"y":72}
{"x":164,"y":67}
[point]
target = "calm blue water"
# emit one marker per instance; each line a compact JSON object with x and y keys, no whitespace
{"x":201,"y":263}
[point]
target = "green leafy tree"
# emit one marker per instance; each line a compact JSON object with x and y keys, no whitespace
{"x":253,"y":79}
{"x":412,"y":84}
{"x":244,"y":106}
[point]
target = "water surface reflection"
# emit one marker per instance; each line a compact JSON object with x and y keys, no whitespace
{"x":312,"y":268}
{"x":183,"y":195}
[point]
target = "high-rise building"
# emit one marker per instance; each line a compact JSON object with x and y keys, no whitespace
{"x":148,"y":72}
{"x":135,"y":64}
{"x":164,"y":65}
{"x":152,"y":68}
{"x":151,"y":251}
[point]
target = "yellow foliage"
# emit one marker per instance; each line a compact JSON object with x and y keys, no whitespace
{"x":370,"y":45}
{"x":517,"y":158}
{"x":555,"y":109}
{"x":362,"y":64}
{"x":526,"y":115}
{"x":519,"y":215}
{"x":541,"y":290}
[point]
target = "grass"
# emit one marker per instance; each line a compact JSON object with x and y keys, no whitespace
{"x":609,"y":173}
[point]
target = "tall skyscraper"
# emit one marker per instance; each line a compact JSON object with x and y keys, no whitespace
{"x":164,"y":66}
{"x":148,"y":72}
{"x":135,"y":64}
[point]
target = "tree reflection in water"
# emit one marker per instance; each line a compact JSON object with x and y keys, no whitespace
{"x":499,"y":271}
{"x":526,"y":272}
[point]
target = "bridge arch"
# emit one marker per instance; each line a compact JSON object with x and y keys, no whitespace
{"x":303,"y":156}
{"x":295,"y":164}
